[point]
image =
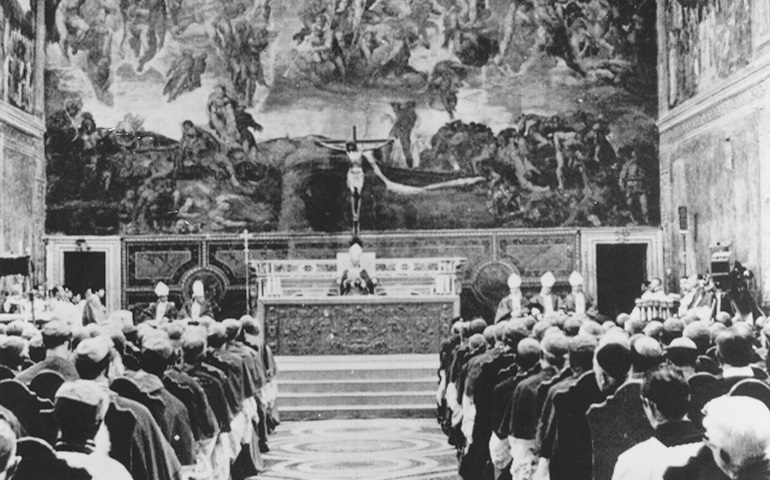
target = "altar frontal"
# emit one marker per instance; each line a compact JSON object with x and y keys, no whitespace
{"x":356,"y":303}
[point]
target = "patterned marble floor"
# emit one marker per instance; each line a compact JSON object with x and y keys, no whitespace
{"x":381,"y":449}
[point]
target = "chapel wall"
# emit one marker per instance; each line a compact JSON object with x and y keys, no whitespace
{"x":713,"y":99}
{"x":135,"y":263}
{"x":22,"y":160}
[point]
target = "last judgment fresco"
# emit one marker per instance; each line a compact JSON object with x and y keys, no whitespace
{"x":182,"y":116}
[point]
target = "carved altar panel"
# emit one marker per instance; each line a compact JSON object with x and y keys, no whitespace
{"x":356,"y":326}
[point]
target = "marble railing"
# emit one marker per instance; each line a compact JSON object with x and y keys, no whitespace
{"x":657,"y":308}
{"x":395,"y":276}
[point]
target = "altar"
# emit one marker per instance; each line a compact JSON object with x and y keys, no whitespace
{"x":302,"y":313}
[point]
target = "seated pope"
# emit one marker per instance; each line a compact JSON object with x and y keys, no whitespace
{"x":355,"y":280}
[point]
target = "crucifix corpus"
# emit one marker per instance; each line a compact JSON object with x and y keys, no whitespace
{"x":356,"y":150}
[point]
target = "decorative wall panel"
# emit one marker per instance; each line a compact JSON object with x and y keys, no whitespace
{"x":491,"y":256}
{"x":231,"y":259}
{"x":22,"y":193}
{"x":535,"y":255}
{"x":155,"y":265}
{"x":151,"y":262}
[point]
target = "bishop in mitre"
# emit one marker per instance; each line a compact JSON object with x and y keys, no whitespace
{"x":197,"y":306}
{"x":161,"y":309}
{"x":546,"y":302}
{"x":577,"y":301}
{"x":355,"y":279}
{"x":514,"y":305}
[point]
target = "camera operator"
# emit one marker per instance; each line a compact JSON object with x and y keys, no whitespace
{"x":731,"y":294}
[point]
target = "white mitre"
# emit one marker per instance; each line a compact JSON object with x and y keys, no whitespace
{"x":514,"y":281}
{"x":197,"y":289}
{"x":161,"y":289}
{"x":547,"y":280}
{"x":575,"y":279}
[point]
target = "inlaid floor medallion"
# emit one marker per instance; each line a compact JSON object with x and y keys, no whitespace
{"x":360,"y":449}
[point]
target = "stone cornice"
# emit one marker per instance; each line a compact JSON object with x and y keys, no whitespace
{"x":738,"y":91}
{"x":23,"y":121}
{"x":315,"y":236}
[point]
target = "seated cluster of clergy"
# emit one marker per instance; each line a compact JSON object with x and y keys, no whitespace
{"x":549,"y":393}
{"x":163,"y":399}
{"x":545,"y":302}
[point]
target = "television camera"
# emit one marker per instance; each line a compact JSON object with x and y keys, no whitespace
{"x":731,"y":283}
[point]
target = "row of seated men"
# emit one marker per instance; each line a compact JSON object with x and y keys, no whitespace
{"x":158,"y":401}
{"x":567,"y":398}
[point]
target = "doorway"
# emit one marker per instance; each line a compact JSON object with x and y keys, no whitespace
{"x":620,"y":271}
{"x":84,"y":270}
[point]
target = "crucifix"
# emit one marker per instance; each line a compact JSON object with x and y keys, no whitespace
{"x":356,"y":150}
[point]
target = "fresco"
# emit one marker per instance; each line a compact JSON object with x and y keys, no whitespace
{"x":177,"y":116}
{"x":707,"y":41}
{"x":17,"y":54}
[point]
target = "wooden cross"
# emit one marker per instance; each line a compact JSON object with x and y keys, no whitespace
{"x":341,"y":145}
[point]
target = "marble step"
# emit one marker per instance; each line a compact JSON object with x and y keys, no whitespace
{"x":356,"y":367}
{"x":426,"y":410}
{"x":371,"y":374}
{"x":358,"y":385}
{"x":354,"y":399}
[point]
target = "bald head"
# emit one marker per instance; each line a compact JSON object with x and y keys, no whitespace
{"x":555,"y":347}
{"x":738,"y":434}
{"x":646,"y":353}
{"x":527,"y":353}
{"x":699,"y":333}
